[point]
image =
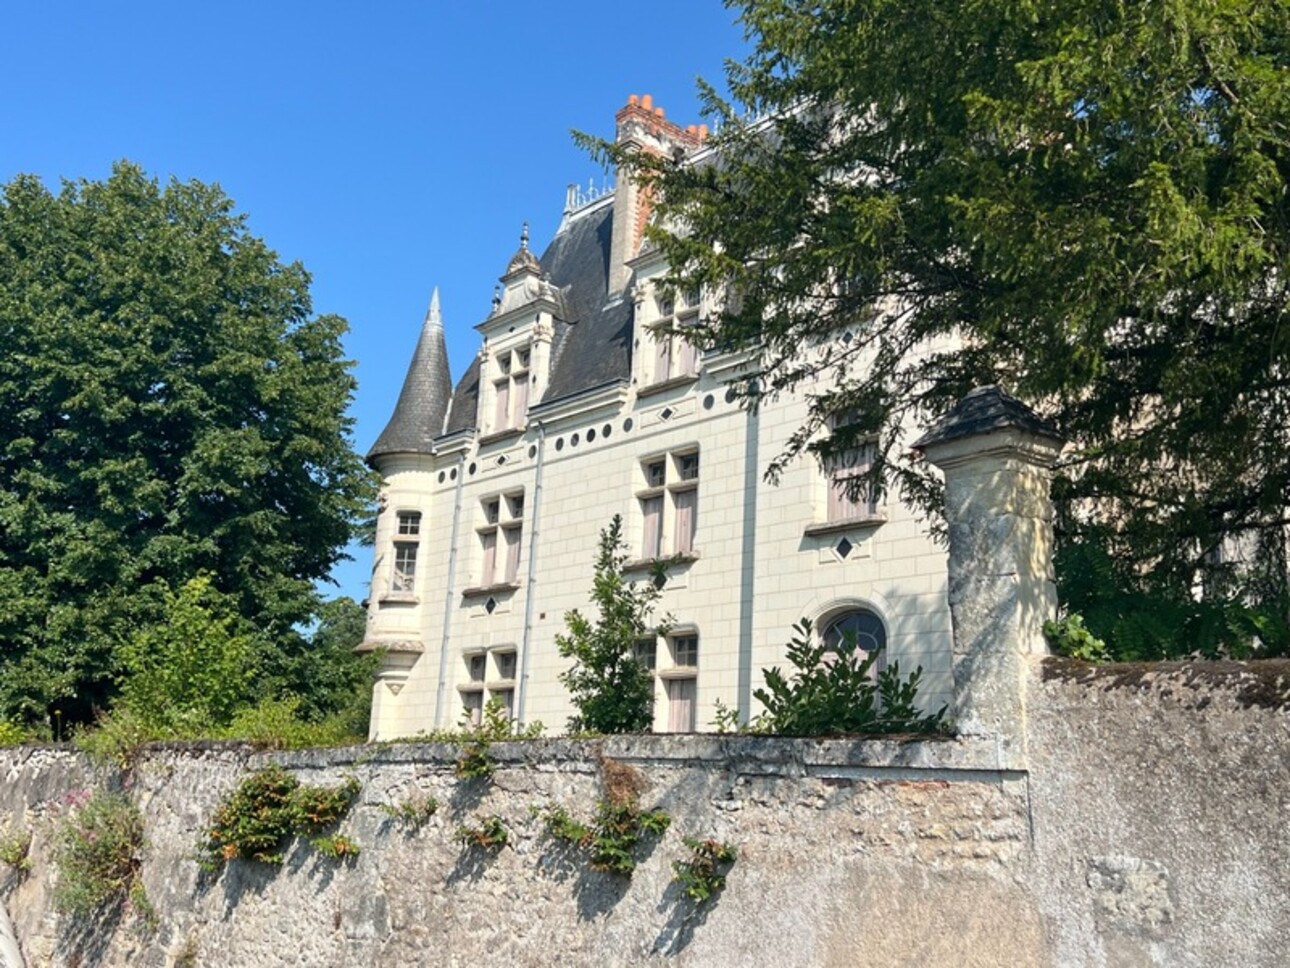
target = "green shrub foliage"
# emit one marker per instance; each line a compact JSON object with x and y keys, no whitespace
{"x":703,"y":874}
{"x":612,"y":691}
{"x":267,"y":810}
{"x":832,"y":691}
{"x":98,"y":851}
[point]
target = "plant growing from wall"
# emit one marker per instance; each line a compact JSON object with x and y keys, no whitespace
{"x":617,"y":831}
{"x":15,"y":846}
{"x":415,"y":811}
{"x":97,"y":854}
{"x":612,"y":837}
{"x":270,"y":808}
{"x":1068,"y":636}
{"x":488,"y":834}
{"x":703,"y":875}
{"x":612,"y":691}
{"x":832,"y":691}
{"x":476,"y":739}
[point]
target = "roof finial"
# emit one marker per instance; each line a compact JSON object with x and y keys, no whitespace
{"x":497,"y":298}
{"x":524,"y":237}
{"x":433,"y":316}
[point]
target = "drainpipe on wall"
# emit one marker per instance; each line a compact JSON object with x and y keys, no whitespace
{"x":448,"y":596}
{"x":532,"y":576}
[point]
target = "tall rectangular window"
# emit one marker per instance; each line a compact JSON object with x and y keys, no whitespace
{"x":675,"y":355}
{"x":501,"y":532}
{"x":652,"y":509}
{"x":681,"y":705}
{"x":687,"y":517}
{"x":669,"y":504}
{"x":513,"y":534}
{"x":405,"y":567}
{"x":488,"y":540}
{"x":511,"y":388}
{"x":849,"y":496}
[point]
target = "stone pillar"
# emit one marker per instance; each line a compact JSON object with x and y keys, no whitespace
{"x":996,"y":455}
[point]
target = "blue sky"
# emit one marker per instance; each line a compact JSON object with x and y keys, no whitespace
{"x":390,"y":147}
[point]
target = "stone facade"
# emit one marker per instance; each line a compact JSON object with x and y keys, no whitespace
{"x":584,"y":403}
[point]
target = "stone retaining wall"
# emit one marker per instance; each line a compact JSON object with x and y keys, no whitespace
{"x":1149,"y":830}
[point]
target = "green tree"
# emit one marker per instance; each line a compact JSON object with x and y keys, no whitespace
{"x":190,"y":672}
{"x":1084,"y":202}
{"x":168,"y":406}
{"x":611,"y":689}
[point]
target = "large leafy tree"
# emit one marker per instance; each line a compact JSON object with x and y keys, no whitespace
{"x":168,"y":406}
{"x":1084,"y":201}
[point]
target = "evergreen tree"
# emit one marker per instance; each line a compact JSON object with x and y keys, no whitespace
{"x":1084,"y":202}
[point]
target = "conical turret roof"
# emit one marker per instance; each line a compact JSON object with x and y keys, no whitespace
{"x":423,"y":402}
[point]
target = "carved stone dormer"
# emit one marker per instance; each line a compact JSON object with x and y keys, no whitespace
{"x":516,"y":356}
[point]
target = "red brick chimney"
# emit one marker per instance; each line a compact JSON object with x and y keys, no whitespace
{"x":641,"y":125}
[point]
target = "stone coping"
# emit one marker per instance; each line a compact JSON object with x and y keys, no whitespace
{"x":930,"y":756}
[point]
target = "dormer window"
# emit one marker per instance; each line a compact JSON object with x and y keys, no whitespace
{"x":511,"y":389}
{"x":675,"y":355}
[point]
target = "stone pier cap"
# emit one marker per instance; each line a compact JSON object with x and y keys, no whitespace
{"x":984,"y":411}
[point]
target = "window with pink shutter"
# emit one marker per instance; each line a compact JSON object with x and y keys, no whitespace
{"x":849,"y":497}
{"x":662,"y":356}
{"x":687,"y":510}
{"x":681,"y":705}
{"x":502,"y":415}
{"x":652,"y":509}
{"x":488,"y":540}
{"x":512,"y":553}
{"x":521,"y":399}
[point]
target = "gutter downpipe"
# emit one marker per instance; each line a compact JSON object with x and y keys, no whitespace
{"x":448,"y":595}
{"x":532,"y":575}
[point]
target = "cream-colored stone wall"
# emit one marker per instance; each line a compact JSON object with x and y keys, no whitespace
{"x":756,"y":572}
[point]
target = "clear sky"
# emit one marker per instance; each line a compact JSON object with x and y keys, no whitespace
{"x":390,"y":147}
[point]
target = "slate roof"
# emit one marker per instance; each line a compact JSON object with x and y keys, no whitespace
{"x":982,"y":411}
{"x":592,"y":345}
{"x":419,"y":415}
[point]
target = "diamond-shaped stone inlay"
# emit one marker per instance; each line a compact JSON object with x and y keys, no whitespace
{"x":666,"y":413}
{"x":490,"y":605}
{"x":844,"y":548}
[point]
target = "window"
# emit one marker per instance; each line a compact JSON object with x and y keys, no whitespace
{"x":681,"y":695}
{"x":501,"y":530}
{"x":408,"y":526}
{"x":681,"y":679}
{"x":860,"y":630}
{"x":473,"y":703}
{"x":646,"y":653}
{"x":475,"y":667}
{"x":506,"y":697}
{"x":685,"y":650}
{"x":505,"y":664}
{"x":674,"y":354}
{"x":849,"y":496}
{"x":669,"y":504}
{"x":511,"y":389}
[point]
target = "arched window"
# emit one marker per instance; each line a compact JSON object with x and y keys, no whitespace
{"x":859,"y":625}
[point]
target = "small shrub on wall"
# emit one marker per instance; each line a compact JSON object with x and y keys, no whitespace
{"x":270,"y":808}
{"x":833,"y":691}
{"x":97,"y":854}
